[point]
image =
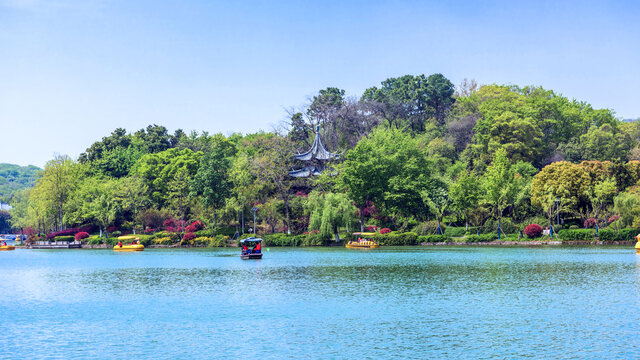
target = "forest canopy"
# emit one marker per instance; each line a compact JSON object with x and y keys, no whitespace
{"x":416,"y":153}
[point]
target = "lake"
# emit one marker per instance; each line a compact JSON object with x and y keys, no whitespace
{"x":329,"y":303}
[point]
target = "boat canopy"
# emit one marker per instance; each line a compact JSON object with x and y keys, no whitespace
{"x":251,"y":240}
{"x":364,"y":233}
{"x":128,"y":237}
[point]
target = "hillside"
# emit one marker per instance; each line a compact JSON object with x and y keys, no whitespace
{"x":16,"y":177}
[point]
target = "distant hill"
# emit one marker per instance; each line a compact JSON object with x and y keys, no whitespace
{"x":16,"y":177}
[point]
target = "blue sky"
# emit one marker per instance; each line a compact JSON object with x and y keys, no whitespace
{"x":72,"y":71}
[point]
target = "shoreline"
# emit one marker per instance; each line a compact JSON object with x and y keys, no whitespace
{"x":449,"y":243}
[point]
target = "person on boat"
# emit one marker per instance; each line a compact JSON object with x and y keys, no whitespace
{"x":244,"y":248}
{"x":258,"y":248}
{"x":120,"y":243}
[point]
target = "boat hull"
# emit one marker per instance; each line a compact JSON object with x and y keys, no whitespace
{"x":251,"y":256}
{"x":129,"y":248}
{"x":362,"y":246}
{"x":7,"y":248}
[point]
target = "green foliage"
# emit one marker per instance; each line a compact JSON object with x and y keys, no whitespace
{"x":577,"y":235}
{"x":64,"y":238}
{"x":481,"y":238}
{"x":328,"y":212}
{"x":158,"y":170}
{"x":14,"y":178}
{"x":455,"y":231}
{"x":434,"y":238}
{"x":397,"y":239}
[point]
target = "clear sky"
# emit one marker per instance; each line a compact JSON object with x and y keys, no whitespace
{"x":73,"y":71}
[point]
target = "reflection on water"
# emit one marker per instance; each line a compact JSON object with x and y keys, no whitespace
{"x":322,"y":303}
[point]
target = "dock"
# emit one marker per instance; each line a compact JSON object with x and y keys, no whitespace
{"x":56,"y":245}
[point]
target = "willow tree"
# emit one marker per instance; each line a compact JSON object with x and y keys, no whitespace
{"x":327,"y":212}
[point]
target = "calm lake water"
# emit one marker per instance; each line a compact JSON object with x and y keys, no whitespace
{"x":434,"y":302}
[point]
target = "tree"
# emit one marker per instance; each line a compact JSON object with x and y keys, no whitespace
{"x":272,"y":165}
{"x":465,"y":193}
{"x":131,"y":194}
{"x":179,"y":194}
{"x":211,"y":183}
{"x":159,"y":169}
{"x":327,"y":212}
{"x":499,"y":185}
{"x":387,"y":168}
{"x":98,"y":202}
{"x":60,"y":178}
{"x":437,"y":200}
{"x":411,"y":100}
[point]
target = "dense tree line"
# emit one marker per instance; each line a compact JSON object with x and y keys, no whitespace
{"x":416,"y":153}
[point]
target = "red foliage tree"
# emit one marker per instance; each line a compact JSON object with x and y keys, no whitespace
{"x":81,"y":235}
{"x":533,"y":230}
{"x":195,"y":226}
{"x":189,"y":236}
{"x":385,"y":231}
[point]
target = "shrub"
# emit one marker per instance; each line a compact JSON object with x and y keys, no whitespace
{"x":282,"y":240}
{"x":371,"y":228}
{"x":145,"y":239}
{"x":64,"y":238}
{"x":81,"y":235}
{"x":149,"y":230}
{"x":95,"y":241}
{"x":428,"y":228}
{"x":396,"y":239}
{"x":194,"y":226}
{"x":455,"y":231}
{"x":613,"y":218}
{"x":189,"y":236}
{"x":167,"y":240}
{"x":205,"y":233}
{"x":115,"y":233}
{"x":481,"y":238}
{"x":589,"y":223}
{"x":385,"y":231}
{"x":533,"y":230}
{"x":433,"y":238}
{"x":574,"y":227}
{"x":577,"y":234}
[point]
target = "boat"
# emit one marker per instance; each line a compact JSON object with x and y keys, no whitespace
{"x":251,"y":253}
{"x":638,"y":244}
{"x":129,"y":247}
{"x":363,"y":242}
{"x":6,"y":247}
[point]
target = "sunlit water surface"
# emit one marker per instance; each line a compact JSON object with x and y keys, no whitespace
{"x":460,"y":302}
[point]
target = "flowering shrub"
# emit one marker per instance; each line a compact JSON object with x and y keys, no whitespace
{"x":195,"y":226}
{"x":533,"y":230}
{"x":149,"y":230}
{"x":385,"y":231}
{"x":189,"y":236}
{"x":69,"y":232}
{"x":81,"y":235}
{"x":164,"y":241}
{"x":371,"y":228}
{"x":589,"y":223}
{"x":613,"y":218}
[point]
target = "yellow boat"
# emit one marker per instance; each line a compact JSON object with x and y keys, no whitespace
{"x":638,"y":244}
{"x":129,"y":247}
{"x":362,"y":243}
{"x":7,"y":247}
